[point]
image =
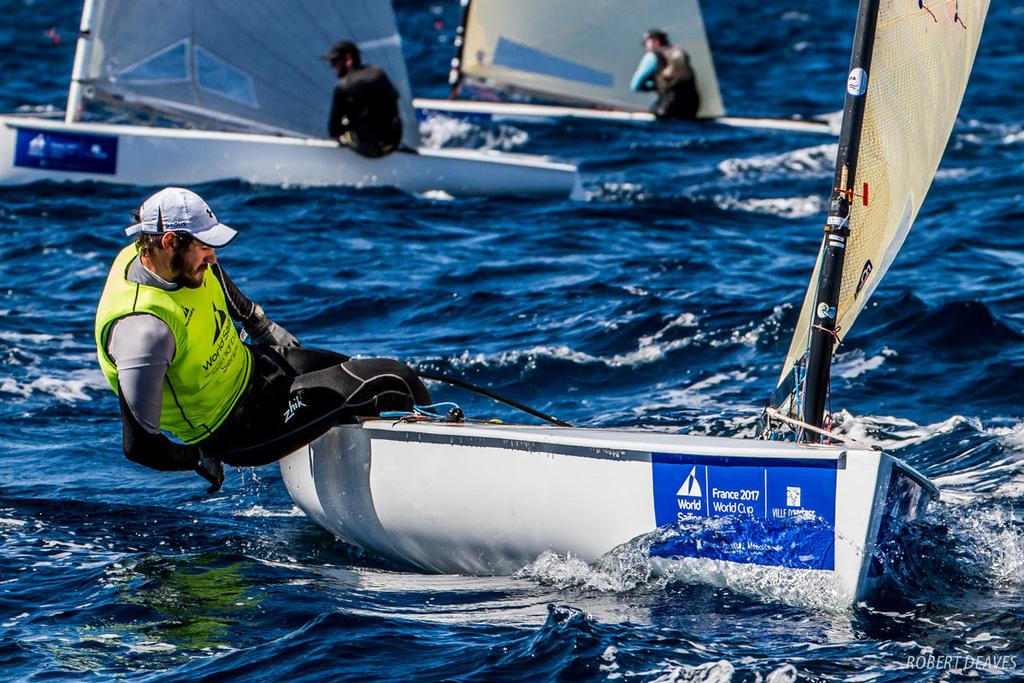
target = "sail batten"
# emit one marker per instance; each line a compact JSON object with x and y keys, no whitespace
{"x":581,"y":52}
{"x":252,"y":65}
{"x":920,"y":63}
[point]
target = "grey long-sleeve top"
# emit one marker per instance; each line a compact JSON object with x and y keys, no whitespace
{"x":142,"y":347}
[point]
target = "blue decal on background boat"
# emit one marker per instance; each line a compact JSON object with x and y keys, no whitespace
{"x":771,"y":512}
{"x":60,"y":151}
{"x":515,"y":55}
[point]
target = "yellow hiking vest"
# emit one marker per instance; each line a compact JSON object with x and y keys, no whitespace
{"x":211,"y":365}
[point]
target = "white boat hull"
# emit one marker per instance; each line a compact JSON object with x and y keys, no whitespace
{"x":33,"y":149}
{"x":499,"y":112}
{"x":490,"y":499}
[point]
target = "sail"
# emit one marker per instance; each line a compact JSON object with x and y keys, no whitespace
{"x":247,"y":64}
{"x":922,"y":57}
{"x":582,"y":51}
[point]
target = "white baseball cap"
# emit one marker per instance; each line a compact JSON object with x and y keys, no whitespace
{"x":175,"y":209}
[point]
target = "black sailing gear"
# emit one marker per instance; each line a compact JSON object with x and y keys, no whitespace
{"x":676,"y":85}
{"x":364,"y":112}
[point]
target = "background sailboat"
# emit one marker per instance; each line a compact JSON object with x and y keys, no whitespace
{"x":227,"y":89}
{"x":480,"y":498}
{"x":230,"y":66}
{"x":579,"y":55}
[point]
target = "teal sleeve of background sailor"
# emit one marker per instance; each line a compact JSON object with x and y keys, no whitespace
{"x":642,"y":77}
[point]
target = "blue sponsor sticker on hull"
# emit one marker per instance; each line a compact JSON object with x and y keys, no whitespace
{"x":62,"y":151}
{"x":772,"y":512}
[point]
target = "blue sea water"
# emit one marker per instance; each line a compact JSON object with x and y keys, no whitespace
{"x":663,"y":299}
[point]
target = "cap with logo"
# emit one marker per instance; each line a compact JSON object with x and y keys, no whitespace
{"x":341,"y":49}
{"x":175,"y":209}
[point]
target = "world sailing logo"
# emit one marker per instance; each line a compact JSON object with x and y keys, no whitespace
{"x":218,"y":324}
{"x":219,"y":318}
{"x":690,"y":497}
{"x":691,"y":486}
{"x":37,"y":147}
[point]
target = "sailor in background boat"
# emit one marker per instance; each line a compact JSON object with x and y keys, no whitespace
{"x":364,"y":111}
{"x":666,"y":69}
{"x":168,"y":347}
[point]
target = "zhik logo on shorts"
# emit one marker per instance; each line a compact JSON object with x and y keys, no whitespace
{"x":294,"y":403}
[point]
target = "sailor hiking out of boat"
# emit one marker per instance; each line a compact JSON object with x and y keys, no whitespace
{"x":364,"y":112}
{"x":666,"y":69}
{"x":168,"y":346}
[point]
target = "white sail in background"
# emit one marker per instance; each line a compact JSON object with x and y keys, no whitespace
{"x":582,"y":51}
{"x":249,"y":64}
{"x":922,"y":59}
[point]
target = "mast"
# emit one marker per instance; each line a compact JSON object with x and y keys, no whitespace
{"x":837,"y":228}
{"x":455,"y":73}
{"x":83,"y":53}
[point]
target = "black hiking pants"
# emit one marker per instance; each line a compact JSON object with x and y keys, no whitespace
{"x":679,"y":102}
{"x":295,"y":394}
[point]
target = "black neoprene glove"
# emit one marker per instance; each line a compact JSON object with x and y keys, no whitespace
{"x":265,"y":332}
{"x":212,"y":470}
